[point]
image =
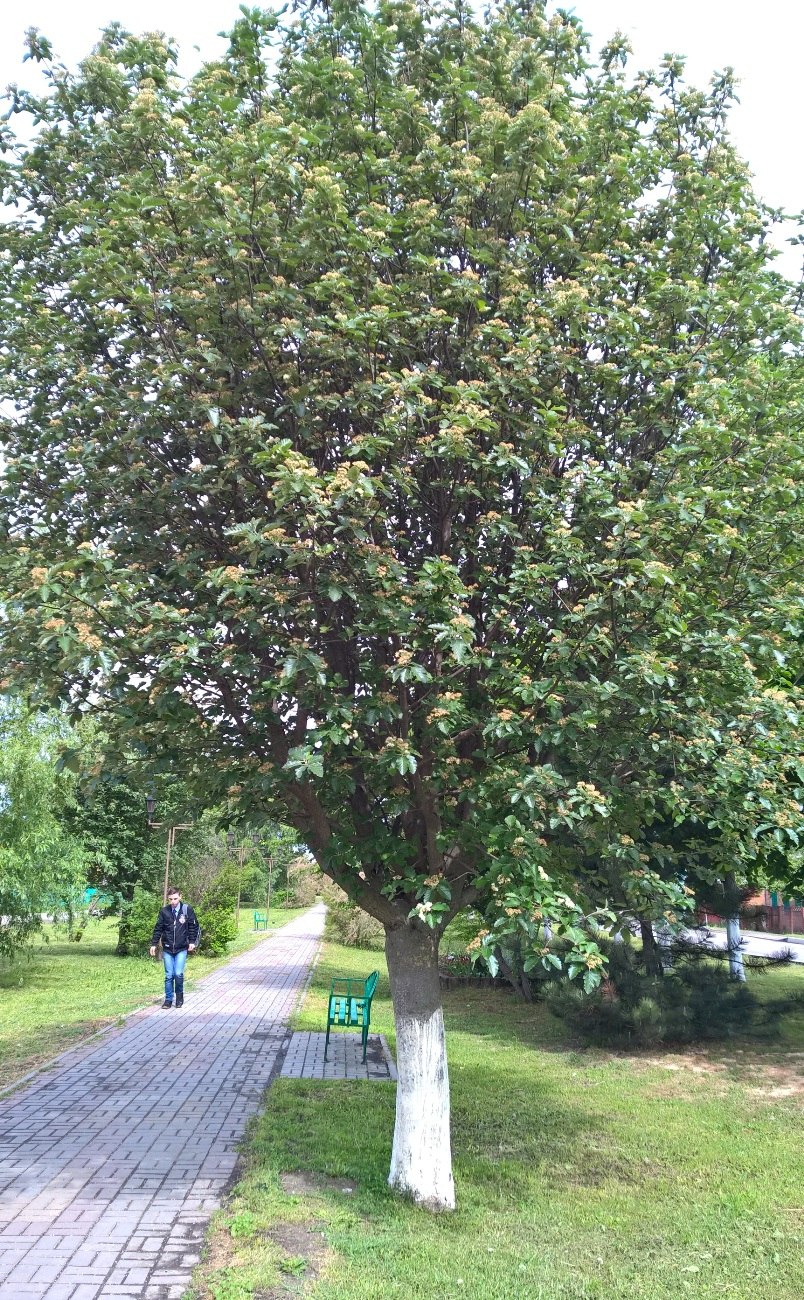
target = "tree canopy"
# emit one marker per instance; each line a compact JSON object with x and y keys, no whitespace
{"x":406,"y":444}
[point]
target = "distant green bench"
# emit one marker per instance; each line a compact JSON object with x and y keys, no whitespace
{"x":350,"y":1006}
{"x":260,"y":921}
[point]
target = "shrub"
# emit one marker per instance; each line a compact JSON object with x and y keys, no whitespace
{"x":217,"y":929}
{"x":137,"y":924}
{"x":305,"y":882}
{"x":216,"y":912}
{"x":221,"y":892}
{"x":350,"y":925}
{"x":694,"y":1000}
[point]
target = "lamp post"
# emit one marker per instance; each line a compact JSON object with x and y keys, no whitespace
{"x":270,"y":882}
{"x":242,"y":849}
{"x":150,"y":805}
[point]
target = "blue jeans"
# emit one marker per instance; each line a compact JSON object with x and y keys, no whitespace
{"x":175,"y":963}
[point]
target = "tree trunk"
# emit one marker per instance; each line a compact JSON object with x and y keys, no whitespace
{"x":734,"y":945}
{"x":123,"y":948}
{"x":513,"y":972}
{"x":421,"y":1160}
{"x":733,"y":898}
{"x":650,"y":949}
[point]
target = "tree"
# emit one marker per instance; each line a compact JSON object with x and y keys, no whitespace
{"x":108,"y":815}
{"x":401,"y":450}
{"x":40,"y":862}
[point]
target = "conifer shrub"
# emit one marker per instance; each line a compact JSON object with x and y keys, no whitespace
{"x":694,"y":999}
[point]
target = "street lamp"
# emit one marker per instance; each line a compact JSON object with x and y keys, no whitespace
{"x":150,"y":805}
{"x":239,"y":851}
{"x":256,"y":840}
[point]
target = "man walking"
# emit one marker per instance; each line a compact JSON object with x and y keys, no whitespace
{"x":177,"y":927}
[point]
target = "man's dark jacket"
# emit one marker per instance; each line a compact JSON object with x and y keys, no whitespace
{"x":176,"y":932}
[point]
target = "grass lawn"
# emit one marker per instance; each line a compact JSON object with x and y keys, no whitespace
{"x":581,"y":1175}
{"x":62,"y":992}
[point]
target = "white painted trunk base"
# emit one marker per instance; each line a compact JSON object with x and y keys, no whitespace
{"x":421,"y":1161}
{"x":736,"y":963}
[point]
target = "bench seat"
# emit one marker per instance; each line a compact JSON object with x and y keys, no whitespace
{"x":350,"y":1006}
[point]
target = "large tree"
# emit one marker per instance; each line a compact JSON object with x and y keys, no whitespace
{"x":403,"y":417}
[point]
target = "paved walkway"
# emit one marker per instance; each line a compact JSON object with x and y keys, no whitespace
{"x":305,"y":1057}
{"x":112,"y":1162}
{"x":755,"y":943}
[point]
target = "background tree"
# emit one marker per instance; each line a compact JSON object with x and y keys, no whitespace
{"x":41,"y":863}
{"x":108,"y":815}
{"x":278,"y":845}
{"x":402,"y":449}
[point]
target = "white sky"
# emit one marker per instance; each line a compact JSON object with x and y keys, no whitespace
{"x":763,"y":44}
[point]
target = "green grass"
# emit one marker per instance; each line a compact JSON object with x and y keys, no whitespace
{"x":62,"y":992}
{"x":580,"y":1175}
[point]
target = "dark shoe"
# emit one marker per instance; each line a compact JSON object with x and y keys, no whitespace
{"x":166,"y":1004}
{"x":179,"y":1000}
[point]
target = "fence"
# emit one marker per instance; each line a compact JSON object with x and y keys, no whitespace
{"x":780,"y":918}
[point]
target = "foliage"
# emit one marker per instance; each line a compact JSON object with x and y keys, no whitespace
{"x":475,"y":445}
{"x":40,"y":862}
{"x":405,"y":444}
{"x":693,"y":1000}
{"x":108,"y":816}
{"x":280,"y":845}
{"x":349,"y":925}
{"x":305,"y":883}
{"x":215,"y":910}
{"x":218,"y":929}
{"x":141,"y":919}
{"x":111,"y":823}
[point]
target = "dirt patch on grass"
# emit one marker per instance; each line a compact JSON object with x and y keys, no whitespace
{"x":299,"y":1252}
{"x":304,"y":1254}
{"x":219,"y":1253}
{"x":773,"y":1073}
{"x":785,"y":1079}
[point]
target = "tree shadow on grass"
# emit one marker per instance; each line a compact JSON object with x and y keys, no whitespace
{"x":500,"y":1018}
{"x":503,"y":1136}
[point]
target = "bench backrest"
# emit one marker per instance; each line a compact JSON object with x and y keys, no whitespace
{"x":371,"y":983}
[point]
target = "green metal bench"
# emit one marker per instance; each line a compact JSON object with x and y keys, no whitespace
{"x":260,"y":921}
{"x":350,"y":1006}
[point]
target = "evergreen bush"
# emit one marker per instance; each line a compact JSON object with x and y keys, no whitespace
{"x":695,"y":999}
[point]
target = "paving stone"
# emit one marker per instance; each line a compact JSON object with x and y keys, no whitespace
{"x":305,"y":1057}
{"x":113,"y":1160}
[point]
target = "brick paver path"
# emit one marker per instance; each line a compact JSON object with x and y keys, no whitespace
{"x":304,"y":1058}
{"x":112,"y":1162}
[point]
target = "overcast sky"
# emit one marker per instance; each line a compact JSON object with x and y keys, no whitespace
{"x":762,"y":42}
